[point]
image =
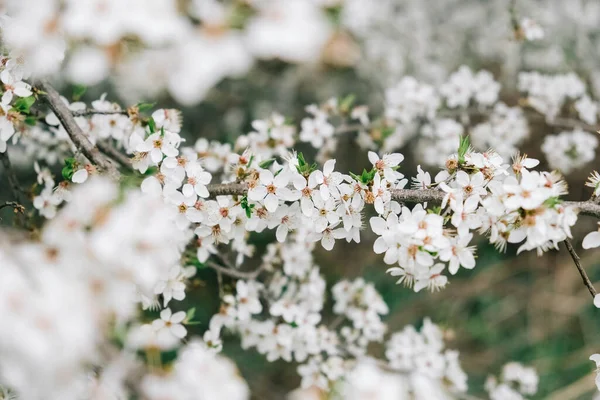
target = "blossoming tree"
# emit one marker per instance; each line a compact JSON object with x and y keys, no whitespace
{"x":100,"y":255}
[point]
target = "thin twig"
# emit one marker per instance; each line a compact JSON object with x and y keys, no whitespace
{"x":232,"y":272}
{"x":90,"y":111}
{"x":16,"y":206}
{"x":577,"y":261}
{"x":13,"y":181}
{"x":82,"y":143}
{"x":115,"y":154}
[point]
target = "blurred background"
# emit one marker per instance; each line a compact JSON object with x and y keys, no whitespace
{"x":530,"y":309}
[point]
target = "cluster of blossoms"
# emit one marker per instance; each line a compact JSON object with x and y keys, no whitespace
{"x":120,"y":259}
{"x":516,"y":382}
{"x":282,"y":317}
{"x":548,"y":93}
{"x":91,"y":40}
{"x":431,"y":370}
{"x":125,"y":250}
{"x":569,"y":151}
{"x":198,"y":373}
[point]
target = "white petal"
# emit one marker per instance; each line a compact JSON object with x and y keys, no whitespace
{"x":178,"y":317}
{"x":591,"y":240}
{"x":178,"y":331}
{"x":271,"y":202}
{"x":597,"y":300}
{"x":80,"y":176}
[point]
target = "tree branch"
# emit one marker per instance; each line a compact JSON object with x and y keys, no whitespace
{"x":431,"y":196}
{"x":16,"y":206}
{"x":65,"y":117}
{"x":13,"y":181}
{"x":90,"y":111}
{"x":233,"y":272}
{"x":586,"y":280}
{"x":115,"y":154}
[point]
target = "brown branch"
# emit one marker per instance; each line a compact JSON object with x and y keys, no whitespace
{"x":431,"y":196}
{"x":586,"y":280}
{"x":13,"y":181}
{"x":233,"y":272}
{"x":65,"y":117}
{"x":90,"y":111}
{"x":16,"y":206}
{"x":109,"y":150}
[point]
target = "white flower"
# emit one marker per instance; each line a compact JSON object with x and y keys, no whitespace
{"x":316,"y":131}
{"x":430,"y":278}
{"x":13,"y":87}
{"x":171,"y":285}
{"x":531,"y":29}
{"x":169,"y":324}
{"x":169,"y":119}
{"x":46,"y":203}
{"x":596,"y":358}
{"x":157,"y":144}
{"x":328,"y":179}
{"x":591,"y":240}
{"x":197,"y":179}
{"x":387,"y":165}
{"x":459,"y":253}
{"x":271,"y":189}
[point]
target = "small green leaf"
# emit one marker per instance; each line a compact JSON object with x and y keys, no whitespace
{"x":68,"y":169}
{"x":267,"y":163}
{"x":301,"y":161}
{"x":346,"y":103}
{"x":142,"y":107}
{"x":30,"y":120}
{"x":190,"y":314}
{"x":463,"y":147}
{"x":151,"y":125}
{"x":246,"y":207}
{"x":23,"y":104}
{"x":78,"y":91}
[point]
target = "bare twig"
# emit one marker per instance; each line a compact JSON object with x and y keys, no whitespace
{"x":115,"y":154}
{"x":577,"y":261}
{"x":13,"y":181}
{"x":65,"y":117}
{"x":90,"y":111}
{"x":232,"y":272}
{"x":16,"y":206}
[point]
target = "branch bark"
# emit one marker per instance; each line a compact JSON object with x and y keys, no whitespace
{"x":233,"y":272}
{"x":431,"y":196}
{"x":13,"y":181}
{"x":65,"y":116}
{"x":586,"y":280}
{"x":87,"y":112}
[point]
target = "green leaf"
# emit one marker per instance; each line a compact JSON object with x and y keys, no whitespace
{"x":247,"y":207}
{"x":145,"y":106}
{"x":463,"y":148}
{"x":301,"y":161}
{"x":190,"y":314}
{"x":346,"y":103}
{"x":30,"y":120}
{"x":267,"y":163}
{"x":23,"y":104}
{"x":78,"y":91}
{"x":68,"y":169}
{"x":151,"y":125}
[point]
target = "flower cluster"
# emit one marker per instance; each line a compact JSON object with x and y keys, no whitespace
{"x":433,"y":371}
{"x":569,"y":151}
{"x":516,"y":382}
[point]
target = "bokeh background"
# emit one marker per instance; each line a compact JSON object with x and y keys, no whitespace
{"x":530,"y":309}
